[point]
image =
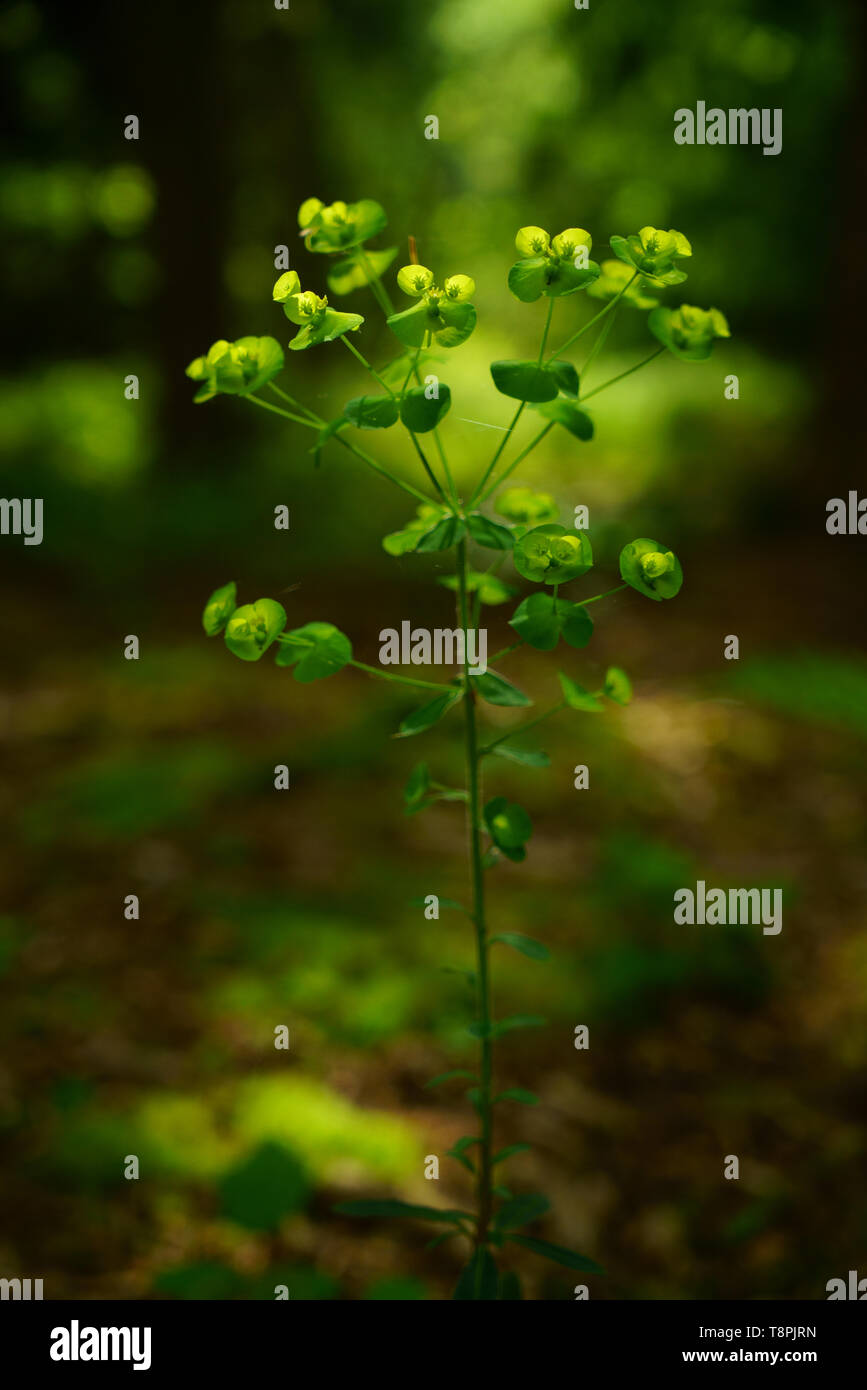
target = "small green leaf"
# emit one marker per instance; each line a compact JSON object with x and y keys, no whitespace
{"x":528,"y":757}
{"x":570,"y":416}
{"x":651,"y":569}
{"x":489,"y":534}
{"x":568,"y":277}
{"x":479,"y":1279}
{"x":372,"y":412}
{"x":421,"y":413}
{"x":417,"y":785}
{"x":449,"y":1076}
{"x":509,"y":1152}
{"x":523,"y":1097}
{"x":520,"y":1210}
{"x":524,"y":381}
{"x":411,"y":325}
{"x":428,"y":714}
{"x":510,"y":1287}
{"x":457,"y":322}
{"x":316,"y":650}
{"x":558,"y":1254}
{"x":498,"y":691}
{"x":444,"y":535}
{"x":541,"y":620}
{"x":219,"y":609}
{"x":566,"y":376}
{"x":516,"y":1021}
{"x":577,"y":697}
{"x":489,"y":587}
{"x":618,"y":686}
{"x":528,"y":278}
{"x":353,"y":274}
{"x":399,"y":1209}
{"x":332,"y":325}
{"x":527,"y":945}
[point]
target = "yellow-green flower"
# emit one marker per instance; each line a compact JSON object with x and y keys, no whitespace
{"x":617,"y":279}
{"x":688,"y":332}
{"x":655,"y":253}
{"x":236,"y":369}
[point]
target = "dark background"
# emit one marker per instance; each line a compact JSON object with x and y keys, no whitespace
{"x":154,"y":1037}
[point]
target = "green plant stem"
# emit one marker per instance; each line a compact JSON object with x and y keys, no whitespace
{"x":595,"y":319}
{"x":380,"y":293}
{"x":522,"y":728}
{"x":583,"y":602}
{"x":498,"y":482}
{"x":546,"y":330}
{"x":400,"y":680}
{"x":290,"y":400}
{"x":504,"y":651}
{"x":278,"y":410}
{"x":367,"y":366}
{"x":478,"y":496}
{"x":428,"y":469}
{"x":599,"y":344}
{"x":483,"y":989}
{"x":630,"y":370}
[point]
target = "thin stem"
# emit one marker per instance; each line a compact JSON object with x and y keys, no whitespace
{"x":428,"y":468}
{"x":497,"y":482}
{"x":380,"y":293}
{"x":595,"y":319}
{"x":296,"y":419}
{"x":546,"y":330}
{"x":583,"y":602}
{"x":364,"y":362}
{"x":378,"y":468}
{"x":400,"y":680}
{"x":495,"y":460}
{"x":615,"y":379}
{"x":290,"y":400}
{"x":485,"y":1167}
{"x":599,"y":344}
{"x":522,"y":728}
{"x":504,"y":651}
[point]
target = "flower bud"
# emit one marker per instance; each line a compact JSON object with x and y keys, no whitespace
{"x":655,"y":563}
{"x":460,"y":288}
{"x":415,"y":279}
{"x":252,"y":628}
{"x":219,"y":608}
{"x":532,"y":241}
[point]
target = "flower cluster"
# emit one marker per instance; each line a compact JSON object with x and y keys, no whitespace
{"x":318,"y":323}
{"x":235,"y":369}
{"x":551,"y":265}
{"x":656,"y":254}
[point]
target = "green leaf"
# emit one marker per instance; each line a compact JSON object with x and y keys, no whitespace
{"x":509,"y":826}
{"x":253,"y":627}
{"x":219,"y":609}
{"x":386,"y":1209}
{"x":489,"y":587}
{"x":411,"y":325}
{"x":489,"y":534}
{"x":316,"y":650}
{"x":577,"y":697}
{"x":426,"y":519}
{"x":416,"y":788}
{"x":332,"y":325}
{"x":618,"y":686}
{"x":449,"y":1076}
{"x":510,"y":1287}
{"x":427,"y":715}
{"x":459,"y":320}
{"x":527,"y":945}
{"x":568,"y":277}
{"x":264,"y":1188}
{"x":443,"y":536}
{"x":524,"y":381}
{"x":509,"y":1151}
{"x":566,"y":376}
{"x":558,"y":1254}
{"x":528,"y":757}
{"x":541,"y":620}
{"x":516,"y":1021}
{"x":498,"y":691}
{"x":570,"y":416}
{"x":519,"y":1094}
{"x":528,"y":278}
{"x":372,"y":412}
{"x":479,"y":1279}
{"x":323,"y":437}
{"x":520,"y":1210}
{"x":351,"y":274}
{"x":420,"y":413}
{"x":459,"y":1148}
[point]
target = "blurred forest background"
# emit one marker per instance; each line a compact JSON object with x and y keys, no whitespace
{"x":155,"y":777}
